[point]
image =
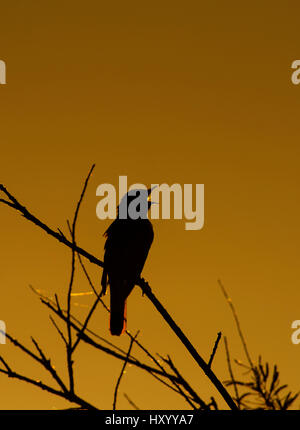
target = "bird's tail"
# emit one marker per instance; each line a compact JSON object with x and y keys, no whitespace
{"x":117,"y":313}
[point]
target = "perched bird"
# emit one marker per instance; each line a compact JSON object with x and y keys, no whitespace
{"x":128,"y":240}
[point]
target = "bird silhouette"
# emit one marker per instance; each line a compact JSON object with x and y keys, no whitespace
{"x":128,"y":240}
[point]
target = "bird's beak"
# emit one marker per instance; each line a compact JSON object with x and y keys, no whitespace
{"x":149,"y":195}
{"x":149,"y":191}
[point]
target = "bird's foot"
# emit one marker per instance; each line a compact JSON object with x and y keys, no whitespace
{"x":103,"y":292}
{"x":144,"y":285}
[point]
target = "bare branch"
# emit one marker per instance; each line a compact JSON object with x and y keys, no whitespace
{"x":122,"y":372}
{"x":215,"y":349}
{"x":103,"y":348}
{"x":229,"y":301}
{"x":131,"y":402}
{"x":69,"y":346}
{"x":71,"y":397}
{"x":191,"y":349}
{"x":182,"y":381}
{"x":6,"y":365}
{"x":143,"y":285}
{"x":57,"y":235}
{"x":58,"y":330}
{"x":231,"y":373}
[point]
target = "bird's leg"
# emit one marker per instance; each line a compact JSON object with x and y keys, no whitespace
{"x":103,"y":283}
{"x":103,"y":291}
{"x":140,"y":281}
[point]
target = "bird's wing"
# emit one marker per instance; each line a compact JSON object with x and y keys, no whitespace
{"x":127,"y":247}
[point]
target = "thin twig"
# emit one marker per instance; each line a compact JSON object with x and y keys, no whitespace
{"x":122,"y":372}
{"x":71,"y":397}
{"x":61,"y":313}
{"x":215,"y":349}
{"x":229,"y":301}
{"x":70,"y":346}
{"x":184,"y":383}
{"x":93,"y":308}
{"x":151,"y":356}
{"x":109,"y":351}
{"x":46,"y":364}
{"x":6,"y":365}
{"x":214,"y":403}
{"x":184,"y":395}
{"x":58,"y":330}
{"x":131,"y":402}
{"x":231,"y":372}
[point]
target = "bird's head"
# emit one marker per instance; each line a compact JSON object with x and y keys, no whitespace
{"x":135,"y":204}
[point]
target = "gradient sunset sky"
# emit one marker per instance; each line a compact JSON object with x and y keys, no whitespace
{"x":163,"y":92}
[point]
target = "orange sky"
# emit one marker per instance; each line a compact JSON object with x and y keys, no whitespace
{"x":176,"y":93}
